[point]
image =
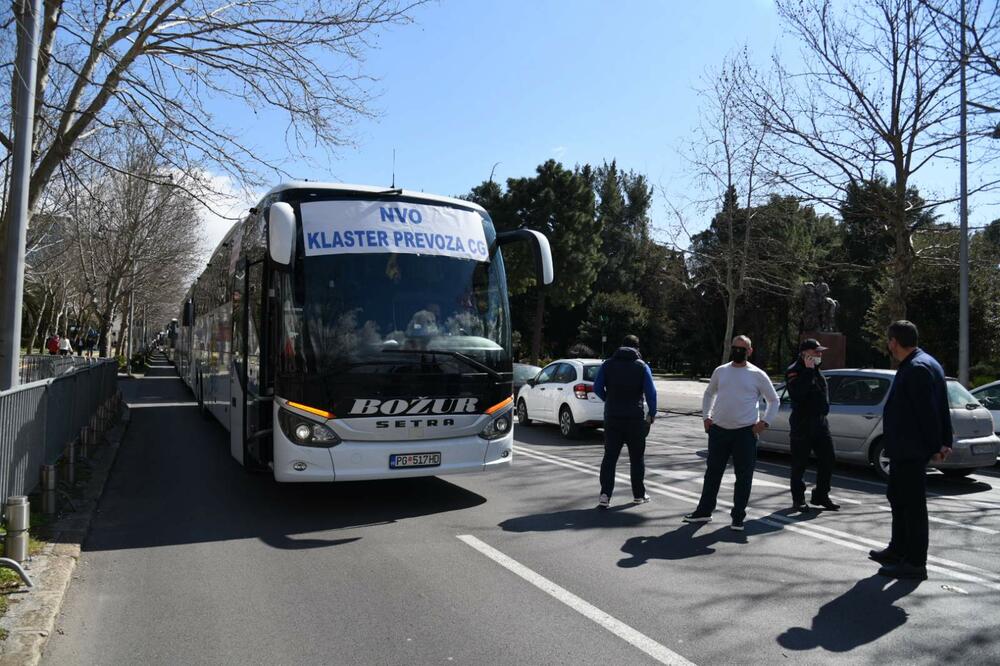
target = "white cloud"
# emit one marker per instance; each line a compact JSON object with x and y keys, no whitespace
{"x":226,"y":204}
{"x":559,"y":151}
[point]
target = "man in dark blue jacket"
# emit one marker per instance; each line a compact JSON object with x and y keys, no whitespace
{"x":916,"y":428}
{"x":621,"y":383}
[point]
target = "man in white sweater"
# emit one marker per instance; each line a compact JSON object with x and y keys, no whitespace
{"x":733,"y":422}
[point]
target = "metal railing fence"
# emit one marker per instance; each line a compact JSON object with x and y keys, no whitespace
{"x":39,"y":420}
{"x":34,"y":367}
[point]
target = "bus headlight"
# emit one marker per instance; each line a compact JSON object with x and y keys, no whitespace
{"x":304,"y":432}
{"x":498,"y":426}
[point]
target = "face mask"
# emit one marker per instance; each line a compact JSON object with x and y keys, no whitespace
{"x":738,"y":354}
{"x":817,"y":360}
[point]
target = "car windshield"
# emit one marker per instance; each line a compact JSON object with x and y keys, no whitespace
{"x":959,"y":397}
{"x":590,"y":372}
{"x":523,"y":373}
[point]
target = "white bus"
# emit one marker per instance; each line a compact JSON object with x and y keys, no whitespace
{"x":349,"y":332}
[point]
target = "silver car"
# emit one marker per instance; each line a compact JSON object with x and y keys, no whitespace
{"x":856,"y":401}
{"x":988,"y":396}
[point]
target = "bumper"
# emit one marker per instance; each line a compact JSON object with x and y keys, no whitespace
{"x":974,"y":452}
{"x":588,"y":413}
{"x":358,"y":461}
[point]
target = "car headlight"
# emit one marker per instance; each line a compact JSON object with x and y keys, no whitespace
{"x":305,"y":432}
{"x":498,"y":425}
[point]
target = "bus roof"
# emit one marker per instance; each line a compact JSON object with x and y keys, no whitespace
{"x":372,"y":189}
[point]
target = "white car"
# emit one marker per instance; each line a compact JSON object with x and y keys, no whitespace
{"x":563,"y":393}
{"x":989,"y":396}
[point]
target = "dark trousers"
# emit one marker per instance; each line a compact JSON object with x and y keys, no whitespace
{"x":631,"y":433}
{"x":907,"y":495}
{"x":741,"y":445}
{"x":813,"y":438}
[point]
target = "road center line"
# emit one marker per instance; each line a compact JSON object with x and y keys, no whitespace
{"x":660,"y":653}
{"x":855,"y":542}
{"x":141,"y":405}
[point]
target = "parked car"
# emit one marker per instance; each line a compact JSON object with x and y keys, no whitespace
{"x":988,"y":396}
{"x":563,"y":393}
{"x":856,"y":401}
{"x":522,"y":373}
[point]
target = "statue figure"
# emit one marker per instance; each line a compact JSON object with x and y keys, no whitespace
{"x":827,"y":308}
{"x":809,"y":304}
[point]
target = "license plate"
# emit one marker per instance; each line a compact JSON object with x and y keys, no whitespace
{"x":398,"y":460}
{"x":982,"y":449}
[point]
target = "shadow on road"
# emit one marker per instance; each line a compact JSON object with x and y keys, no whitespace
{"x":174,"y":482}
{"x":859,"y":616}
{"x":575,"y":519}
{"x":548,"y":435}
{"x":685,"y":541}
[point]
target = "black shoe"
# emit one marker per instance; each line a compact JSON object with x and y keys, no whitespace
{"x":736,"y":525}
{"x":695,"y":517}
{"x":904,"y":570}
{"x":826,"y":503}
{"x":800,"y":506}
{"x":885,"y":556}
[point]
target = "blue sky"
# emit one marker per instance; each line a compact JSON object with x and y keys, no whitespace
{"x":472,"y":83}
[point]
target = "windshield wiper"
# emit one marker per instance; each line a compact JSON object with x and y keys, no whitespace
{"x":454,"y":354}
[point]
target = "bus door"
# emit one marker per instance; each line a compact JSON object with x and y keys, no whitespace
{"x":257,"y":397}
{"x":238,"y":373}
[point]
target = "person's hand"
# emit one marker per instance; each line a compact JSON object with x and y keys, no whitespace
{"x":759,"y":427}
{"x":941,"y":455}
{"x":650,"y":418}
{"x":809,"y":361}
{"x":708,"y":424}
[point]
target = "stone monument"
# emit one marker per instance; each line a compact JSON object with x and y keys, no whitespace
{"x":819,"y":321}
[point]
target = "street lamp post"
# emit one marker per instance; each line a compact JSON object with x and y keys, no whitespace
{"x":963,"y":247}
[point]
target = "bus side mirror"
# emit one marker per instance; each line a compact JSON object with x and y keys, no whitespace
{"x":281,"y":233}
{"x":543,"y":253}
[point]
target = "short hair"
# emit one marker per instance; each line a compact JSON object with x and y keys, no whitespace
{"x":744,"y":339}
{"x":631,"y":341}
{"x":904,"y":332}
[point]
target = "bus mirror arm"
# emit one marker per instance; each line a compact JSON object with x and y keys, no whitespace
{"x":543,"y":253}
{"x":281,"y":233}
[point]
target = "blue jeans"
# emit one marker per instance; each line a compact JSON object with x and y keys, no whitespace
{"x":741,"y":445}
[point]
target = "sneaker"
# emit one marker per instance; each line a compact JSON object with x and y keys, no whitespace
{"x":640,"y":500}
{"x":737,"y":525}
{"x":603,"y":502}
{"x":800,"y":506}
{"x":695,"y":517}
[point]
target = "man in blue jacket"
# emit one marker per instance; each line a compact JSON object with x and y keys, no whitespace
{"x":916,"y":428}
{"x":622,"y":382}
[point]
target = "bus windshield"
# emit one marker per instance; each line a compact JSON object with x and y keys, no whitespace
{"x":345,"y":314}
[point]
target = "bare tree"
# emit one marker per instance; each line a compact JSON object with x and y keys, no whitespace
{"x":154,"y":65}
{"x":874,"y":97}
{"x":726,"y":153}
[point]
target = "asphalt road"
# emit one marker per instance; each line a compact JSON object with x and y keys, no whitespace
{"x":193,"y":560}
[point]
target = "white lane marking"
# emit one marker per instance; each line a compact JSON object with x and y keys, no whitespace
{"x":142,"y":405}
{"x":657,"y":651}
{"x":986,"y":503}
{"x":823,"y":533}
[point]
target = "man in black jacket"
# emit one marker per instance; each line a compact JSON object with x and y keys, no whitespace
{"x":622,"y":382}
{"x":916,"y":428}
{"x":810,"y":432}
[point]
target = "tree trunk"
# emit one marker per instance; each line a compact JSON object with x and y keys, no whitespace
{"x":38,"y":320}
{"x":730,"y":325}
{"x":536,"y":337}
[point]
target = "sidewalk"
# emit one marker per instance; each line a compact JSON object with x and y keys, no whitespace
{"x":32,"y":613}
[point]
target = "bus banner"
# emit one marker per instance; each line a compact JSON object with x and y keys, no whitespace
{"x":362,"y":227}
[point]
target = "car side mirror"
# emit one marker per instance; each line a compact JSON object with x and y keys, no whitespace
{"x":531,"y":382}
{"x":281,"y":233}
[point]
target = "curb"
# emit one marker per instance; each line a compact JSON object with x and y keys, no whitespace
{"x":32,"y":614}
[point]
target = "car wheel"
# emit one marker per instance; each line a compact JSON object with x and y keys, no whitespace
{"x":957,"y":473}
{"x":522,"y":413}
{"x":880,"y":460}
{"x":567,"y":425}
